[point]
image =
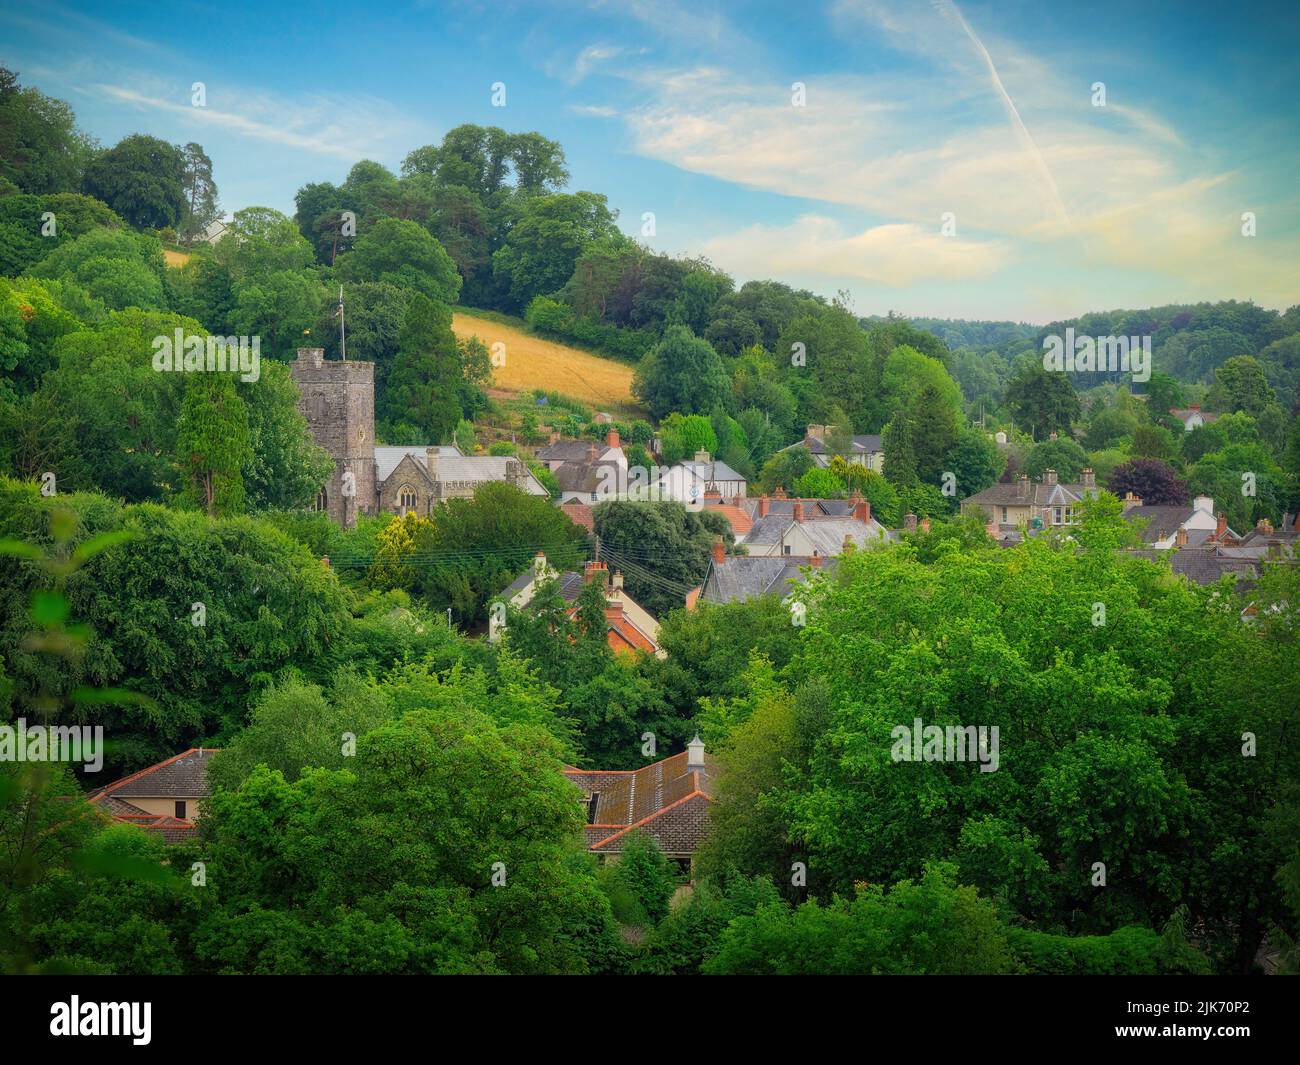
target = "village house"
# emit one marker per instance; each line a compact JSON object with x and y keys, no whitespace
{"x":165,"y":799}
{"x":1036,"y":504}
{"x":668,"y":800}
{"x":737,"y":578}
{"x":690,"y":481}
{"x":1192,"y":417}
{"x":811,"y":528}
{"x":630,"y":627}
{"x":601,"y":473}
{"x":558,"y":452}
{"x":337,"y":397}
{"x":1160,"y":524}
{"x":863,"y":450}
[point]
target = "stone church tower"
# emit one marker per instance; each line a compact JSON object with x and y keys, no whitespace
{"x":338,"y":400}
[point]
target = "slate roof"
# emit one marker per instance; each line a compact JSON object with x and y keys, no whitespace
{"x":713,"y":470}
{"x":863,"y":444}
{"x":183,"y":776}
{"x":740,"y":577}
{"x":827,"y":534}
{"x":588,"y":477}
{"x":485,"y":468}
{"x":388,"y":458}
{"x":1164,"y":521}
{"x":1032,"y":493}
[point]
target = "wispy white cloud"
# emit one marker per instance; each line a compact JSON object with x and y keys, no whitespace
{"x":347,"y":128}
{"x":894,"y":255}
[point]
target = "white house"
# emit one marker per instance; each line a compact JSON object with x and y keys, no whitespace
{"x":691,"y":481}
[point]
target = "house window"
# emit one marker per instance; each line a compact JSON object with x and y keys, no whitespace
{"x":1004,"y":515}
{"x":180,"y":808}
{"x":405,"y":499}
{"x":785,"y":550}
{"x":322,"y":500}
{"x":1056,"y":515}
{"x":592,"y":803}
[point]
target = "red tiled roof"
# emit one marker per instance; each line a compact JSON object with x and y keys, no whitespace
{"x":579,"y":514}
{"x":665,"y":799}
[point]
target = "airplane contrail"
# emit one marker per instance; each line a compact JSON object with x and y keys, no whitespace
{"x":1022,"y":131}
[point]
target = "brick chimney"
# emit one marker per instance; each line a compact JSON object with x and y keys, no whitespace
{"x":764,"y":505}
{"x":617,"y":581}
{"x":1131,"y":501}
{"x":1265,"y":526}
{"x":594,"y":571}
{"x":1051,"y":435}
{"x":779,"y":493}
{"x":815,"y":561}
{"x":719,"y":549}
{"x":1089,"y":478}
{"x":909,"y":522}
{"x":862,"y":510}
{"x":848,"y":544}
{"x":798,"y":513}
{"x":591,"y":452}
{"x":539,"y":562}
{"x":1222,"y":526}
{"x":1049,"y":477}
{"x":701,"y":455}
{"x":1180,"y":537}
{"x":611,"y":438}
{"x":925,"y":525}
{"x":1022,"y":486}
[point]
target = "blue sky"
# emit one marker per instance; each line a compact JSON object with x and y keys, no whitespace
{"x":913,"y":109}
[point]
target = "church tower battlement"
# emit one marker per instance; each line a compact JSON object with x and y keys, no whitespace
{"x":338,"y":400}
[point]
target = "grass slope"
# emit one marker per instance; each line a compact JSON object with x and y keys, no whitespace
{"x":532,"y":362}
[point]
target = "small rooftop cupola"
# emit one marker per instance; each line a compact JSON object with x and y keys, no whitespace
{"x":695,"y":753}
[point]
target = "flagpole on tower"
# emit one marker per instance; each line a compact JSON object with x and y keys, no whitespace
{"x":343,"y":335}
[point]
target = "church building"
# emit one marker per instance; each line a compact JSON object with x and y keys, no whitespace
{"x":337,"y":397}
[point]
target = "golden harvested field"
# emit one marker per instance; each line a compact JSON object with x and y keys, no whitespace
{"x":531,"y":362}
{"x":175,"y":258}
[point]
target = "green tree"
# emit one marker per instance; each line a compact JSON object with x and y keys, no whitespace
{"x":422,"y":387}
{"x":212,"y":444}
{"x":405,"y":254}
{"x":141,"y":178}
{"x":1041,"y":402}
{"x":681,"y":373}
{"x":201,"y":207}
